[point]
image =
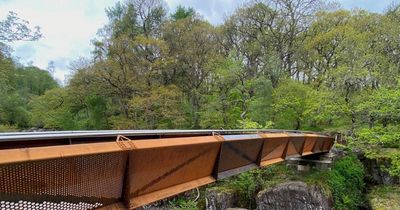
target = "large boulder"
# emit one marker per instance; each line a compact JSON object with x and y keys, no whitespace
{"x":293,"y":196}
{"x":220,"y":199}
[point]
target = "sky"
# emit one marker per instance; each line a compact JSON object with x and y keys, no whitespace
{"x":68,"y":26}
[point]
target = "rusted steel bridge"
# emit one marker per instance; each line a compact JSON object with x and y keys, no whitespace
{"x":129,"y":169}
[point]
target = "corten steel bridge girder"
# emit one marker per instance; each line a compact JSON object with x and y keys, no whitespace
{"x":87,"y":170}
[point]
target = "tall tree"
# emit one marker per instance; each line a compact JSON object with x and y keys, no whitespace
{"x":14,"y":28}
{"x":193,"y":45}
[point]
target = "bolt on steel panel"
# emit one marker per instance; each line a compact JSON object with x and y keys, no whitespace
{"x":273,"y":148}
{"x":239,"y":153}
{"x":95,"y":178}
{"x":295,"y":145}
{"x":158,"y":169}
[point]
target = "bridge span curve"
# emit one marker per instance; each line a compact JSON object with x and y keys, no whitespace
{"x":132,"y":168}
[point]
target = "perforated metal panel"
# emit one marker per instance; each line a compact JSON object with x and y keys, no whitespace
{"x":47,"y":205}
{"x":82,"y":181}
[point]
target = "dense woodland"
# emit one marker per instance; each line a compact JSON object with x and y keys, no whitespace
{"x":285,"y":64}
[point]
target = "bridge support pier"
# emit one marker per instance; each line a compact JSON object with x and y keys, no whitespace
{"x":322,"y":161}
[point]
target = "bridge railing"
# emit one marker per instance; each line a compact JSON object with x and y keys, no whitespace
{"x":139,"y":172}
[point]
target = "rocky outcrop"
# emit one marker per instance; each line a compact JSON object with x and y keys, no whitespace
{"x":376,"y":173}
{"x":293,"y":196}
{"x":220,"y":199}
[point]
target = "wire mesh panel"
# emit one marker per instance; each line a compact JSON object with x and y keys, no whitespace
{"x":72,"y":182}
{"x":162,"y":168}
{"x":239,"y":153}
{"x":274,"y":148}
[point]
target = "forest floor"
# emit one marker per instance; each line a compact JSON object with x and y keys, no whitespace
{"x":384,"y":197}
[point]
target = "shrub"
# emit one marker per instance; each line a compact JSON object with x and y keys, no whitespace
{"x":7,"y":128}
{"x":346,"y":181}
{"x":386,"y":137}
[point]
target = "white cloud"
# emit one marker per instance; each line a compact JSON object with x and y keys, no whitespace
{"x":69,"y":25}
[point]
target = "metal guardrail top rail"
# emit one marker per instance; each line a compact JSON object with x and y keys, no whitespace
{"x":18,"y":136}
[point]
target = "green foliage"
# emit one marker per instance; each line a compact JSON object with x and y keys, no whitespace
{"x":246,"y":185}
{"x":17,"y":87}
{"x":120,"y":122}
{"x":386,"y":137}
{"x":14,"y":28}
{"x":394,"y":169}
{"x":183,"y":204}
{"x":8,"y":128}
{"x":291,"y":100}
{"x":346,"y":181}
{"x":294,"y":105}
{"x":97,"y":116}
{"x":159,"y":109}
{"x":248,"y":124}
{"x":260,"y":104}
{"x":387,"y":158}
{"x":14,"y":110}
{"x":33,"y":81}
{"x":381,"y":106}
{"x":384,"y":197}
{"x":222,"y":106}
{"x":181,"y":13}
{"x":51,"y":110}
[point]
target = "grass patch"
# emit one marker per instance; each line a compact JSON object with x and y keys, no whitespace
{"x":8,"y":128}
{"x":385,"y":197}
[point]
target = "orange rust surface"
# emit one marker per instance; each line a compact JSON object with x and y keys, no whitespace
{"x":139,"y":172}
{"x":168,"y":164}
{"x":168,"y":192}
{"x":239,"y":152}
{"x":309,"y":143}
{"x":43,"y":153}
{"x":89,"y":178}
{"x":115,"y":206}
{"x":328,"y":143}
{"x":169,"y":142}
{"x":295,"y":145}
{"x":273,"y":148}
